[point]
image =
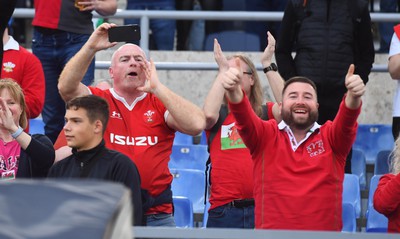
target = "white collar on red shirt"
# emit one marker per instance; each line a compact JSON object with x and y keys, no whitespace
{"x":11,"y":45}
{"x":283,"y":126}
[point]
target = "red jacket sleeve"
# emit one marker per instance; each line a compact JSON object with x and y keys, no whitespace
{"x":387,"y":194}
{"x":33,"y":85}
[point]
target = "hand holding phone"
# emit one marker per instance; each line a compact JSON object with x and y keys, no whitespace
{"x":126,"y":33}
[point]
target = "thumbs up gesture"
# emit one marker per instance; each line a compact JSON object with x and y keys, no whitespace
{"x":231,"y":80}
{"x":355,"y":88}
{"x":354,"y":83}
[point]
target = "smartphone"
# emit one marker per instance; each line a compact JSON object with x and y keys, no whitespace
{"x":126,"y":33}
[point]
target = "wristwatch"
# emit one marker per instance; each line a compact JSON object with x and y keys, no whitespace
{"x":272,"y":67}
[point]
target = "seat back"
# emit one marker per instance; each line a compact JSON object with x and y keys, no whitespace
{"x":183,"y":212}
{"x":189,"y":156}
{"x":64,"y":209}
{"x":351,"y":192}
{"x":382,"y":162}
{"x":359,"y":168}
{"x":184,"y":139}
{"x":189,"y":183}
{"x":233,"y":41}
{"x":372,"y":138}
{"x":36,"y":126}
{"x":349,"y":218}
{"x":376,"y":222}
{"x":205,"y":215}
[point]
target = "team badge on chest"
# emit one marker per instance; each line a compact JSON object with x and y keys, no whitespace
{"x":8,"y":66}
{"x":148,"y":116}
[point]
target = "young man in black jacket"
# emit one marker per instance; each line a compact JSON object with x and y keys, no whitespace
{"x":85,"y":121}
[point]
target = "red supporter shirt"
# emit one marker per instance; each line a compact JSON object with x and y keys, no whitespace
{"x":232,"y":166}
{"x":25,"y":68}
{"x":62,"y":15}
{"x":297,"y":188}
{"x":140,"y":132}
{"x":387,"y":200}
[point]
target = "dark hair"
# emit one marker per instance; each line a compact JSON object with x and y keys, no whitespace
{"x":95,"y":106}
{"x":301,"y":79}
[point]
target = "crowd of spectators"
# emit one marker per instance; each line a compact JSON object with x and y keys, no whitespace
{"x":191,"y":34}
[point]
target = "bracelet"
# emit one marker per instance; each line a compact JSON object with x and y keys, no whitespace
{"x":17,"y":133}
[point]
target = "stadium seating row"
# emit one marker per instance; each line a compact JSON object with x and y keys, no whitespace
{"x":373,"y":145}
{"x":189,"y":183}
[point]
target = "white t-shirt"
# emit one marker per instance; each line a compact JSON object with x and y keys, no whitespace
{"x":394,"y":50}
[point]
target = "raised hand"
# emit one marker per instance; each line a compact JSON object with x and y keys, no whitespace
{"x":99,"y":38}
{"x":354,"y":83}
{"x":231,"y":78}
{"x":219,"y":57}
{"x":6,"y":117}
{"x":266,"y":57}
{"x":152,"y":80}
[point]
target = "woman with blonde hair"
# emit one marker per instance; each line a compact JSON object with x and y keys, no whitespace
{"x":21,"y":155}
{"x":387,"y":194}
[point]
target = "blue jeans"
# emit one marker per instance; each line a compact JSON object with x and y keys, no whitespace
{"x":54,"y":51}
{"x":163,"y":30}
{"x":386,"y":28}
{"x":160,"y":220}
{"x":227,"y":216}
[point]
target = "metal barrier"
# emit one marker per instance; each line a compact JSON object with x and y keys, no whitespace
{"x":232,"y":233}
{"x":207,"y":66}
{"x":146,"y":15}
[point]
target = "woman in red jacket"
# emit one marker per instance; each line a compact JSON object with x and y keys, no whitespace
{"x":387,"y":194}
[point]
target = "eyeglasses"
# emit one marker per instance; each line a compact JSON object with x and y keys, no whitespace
{"x":247,"y":73}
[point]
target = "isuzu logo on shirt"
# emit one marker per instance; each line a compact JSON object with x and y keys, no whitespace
{"x":129,"y":140}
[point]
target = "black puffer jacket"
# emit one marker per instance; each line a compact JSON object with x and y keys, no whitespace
{"x":331,"y":36}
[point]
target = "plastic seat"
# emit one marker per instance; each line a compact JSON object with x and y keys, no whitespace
{"x":205,"y":214}
{"x":189,"y":156}
{"x":184,"y":139}
{"x":183,"y":212}
{"x":351,"y":192}
{"x":36,"y":126}
{"x":358,"y":167}
{"x":376,"y":222}
{"x":372,"y":138}
{"x":349,"y":218}
{"x":189,"y":183}
{"x":382,"y":162}
{"x":233,"y":41}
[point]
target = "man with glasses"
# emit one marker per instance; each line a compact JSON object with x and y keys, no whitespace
{"x":231,"y":188}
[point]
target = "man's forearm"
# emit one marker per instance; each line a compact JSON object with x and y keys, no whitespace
{"x":74,"y":71}
{"x":107,"y":7}
{"x":187,"y":117}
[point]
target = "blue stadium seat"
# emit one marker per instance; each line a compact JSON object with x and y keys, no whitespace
{"x":233,"y":41}
{"x":189,"y":156}
{"x":181,"y":138}
{"x":382,"y":162}
{"x":203,"y":139}
{"x":349,"y":218}
{"x":376,"y":222}
{"x":205,"y":215}
{"x":36,"y":126}
{"x":372,"y":138}
{"x":359,"y":168}
{"x":183,"y":212}
{"x":189,"y":183}
{"x":351,"y":192}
